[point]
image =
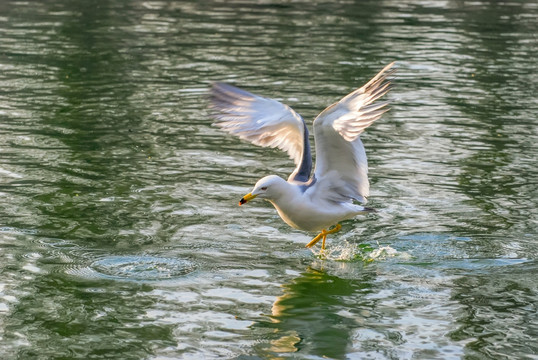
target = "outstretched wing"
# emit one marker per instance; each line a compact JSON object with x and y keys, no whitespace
{"x":264,"y":122}
{"x":341,"y":164}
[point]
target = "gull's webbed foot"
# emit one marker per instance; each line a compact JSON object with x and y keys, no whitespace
{"x":323,"y":235}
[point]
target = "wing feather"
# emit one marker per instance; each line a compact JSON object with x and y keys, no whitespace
{"x":341,"y":164}
{"x":263,"y":122}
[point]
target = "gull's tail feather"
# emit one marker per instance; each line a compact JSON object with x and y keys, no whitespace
{"x":367,"y":210}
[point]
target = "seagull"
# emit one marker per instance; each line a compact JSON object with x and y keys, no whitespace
{"x":308,"y":201}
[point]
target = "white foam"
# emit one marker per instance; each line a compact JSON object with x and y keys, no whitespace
{"x":345,"y":251}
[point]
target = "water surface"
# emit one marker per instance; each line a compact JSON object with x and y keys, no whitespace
{"x":120,"y":235}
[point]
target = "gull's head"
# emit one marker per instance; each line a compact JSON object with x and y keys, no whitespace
{"x":269,"y":188}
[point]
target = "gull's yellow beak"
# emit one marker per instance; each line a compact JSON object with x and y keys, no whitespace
{"x":246,"y":198}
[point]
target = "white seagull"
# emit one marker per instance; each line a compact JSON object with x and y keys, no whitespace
{"x":310,"y":202}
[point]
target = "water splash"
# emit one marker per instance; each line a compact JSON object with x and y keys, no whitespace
{"x":346,"y":251}
{"x":383,"y":252}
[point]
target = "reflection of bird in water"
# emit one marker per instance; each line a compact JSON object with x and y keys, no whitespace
{"x":340,"y":178}
{"x":307,"y":316}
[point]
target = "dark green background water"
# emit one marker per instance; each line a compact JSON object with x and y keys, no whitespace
{"x":120,"y":235}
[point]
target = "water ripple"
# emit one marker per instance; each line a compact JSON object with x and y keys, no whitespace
{"x":135,"y":268}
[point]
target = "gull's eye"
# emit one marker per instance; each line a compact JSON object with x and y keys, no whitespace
{"x":264,"y":188}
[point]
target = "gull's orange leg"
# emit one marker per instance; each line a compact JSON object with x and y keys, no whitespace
{"x":323,"y":235}
{"x":323,"y":242}
{"x":316,"y":239}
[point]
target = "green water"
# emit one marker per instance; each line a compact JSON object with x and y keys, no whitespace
{"x":120,"y":234}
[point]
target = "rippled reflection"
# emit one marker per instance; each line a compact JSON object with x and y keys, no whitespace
{"x":309,"y":316}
